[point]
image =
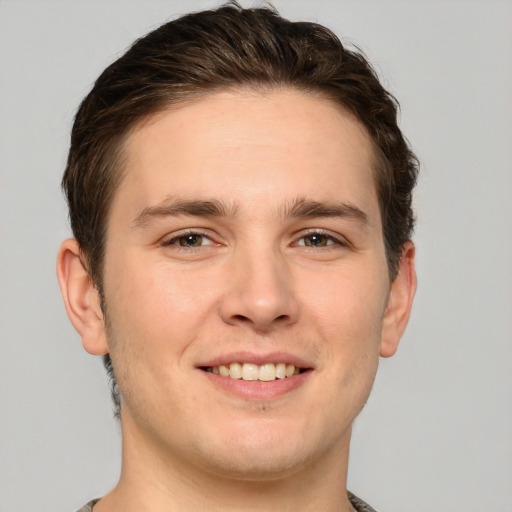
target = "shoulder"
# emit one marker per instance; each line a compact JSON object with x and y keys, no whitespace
{"x":88,"y":506}
{"x":357,"y":503}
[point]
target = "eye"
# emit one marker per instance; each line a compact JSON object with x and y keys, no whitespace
{"x":318,"y":239}
{"x":189,"y":240}
{"x":192,"y":240}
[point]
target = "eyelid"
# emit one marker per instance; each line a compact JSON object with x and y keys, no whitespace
{"x":171,"y":238}
{"x":337,"y":238}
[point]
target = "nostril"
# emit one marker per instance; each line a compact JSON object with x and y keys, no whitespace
{"x":246,"y":319}
{"x":241,"y":318}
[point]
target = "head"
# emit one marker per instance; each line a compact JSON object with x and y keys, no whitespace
{"x":222,"y":51}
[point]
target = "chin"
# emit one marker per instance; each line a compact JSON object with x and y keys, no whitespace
{"x":254,"y":467}
{"x":258,"y":454}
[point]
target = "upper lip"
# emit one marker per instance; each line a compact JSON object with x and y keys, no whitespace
{"x":254,"y":358}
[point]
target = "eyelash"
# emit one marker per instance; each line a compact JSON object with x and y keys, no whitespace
{"x":191,"y":232}
{"x":337,"y":240}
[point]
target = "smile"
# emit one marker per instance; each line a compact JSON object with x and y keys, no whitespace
{"x":254,"y":372}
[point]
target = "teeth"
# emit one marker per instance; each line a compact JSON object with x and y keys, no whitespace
{"x":248,"y":371}
{"x":280,"y":371}
{"x":290,"y":370}
{"x":224,"y":370}
{"x":235,"y":371}
{"x":267,"y":372}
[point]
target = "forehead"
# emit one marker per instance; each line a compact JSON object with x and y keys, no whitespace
{"x":249,"y":146}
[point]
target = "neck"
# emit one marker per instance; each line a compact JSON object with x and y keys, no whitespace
{"x":152,"y":481}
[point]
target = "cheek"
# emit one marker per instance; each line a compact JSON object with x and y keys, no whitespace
{"x":155,"y":315}
{"x":155,"y":295}
{"x":350,"y":300}
{"x":347,"y":316}
{"x":348,"y":313}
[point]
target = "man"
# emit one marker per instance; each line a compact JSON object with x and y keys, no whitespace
{"x":240,"y":196}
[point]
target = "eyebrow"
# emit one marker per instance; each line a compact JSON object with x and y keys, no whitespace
{"x":300,"y":208}
{"x":170,"y":207}
{"x":305,"y":208}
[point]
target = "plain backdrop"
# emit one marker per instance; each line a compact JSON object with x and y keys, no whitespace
{"x":436,"y":433}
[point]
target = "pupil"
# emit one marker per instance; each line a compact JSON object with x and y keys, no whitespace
{"x":191,"y":240}
{"x":315,"y":240}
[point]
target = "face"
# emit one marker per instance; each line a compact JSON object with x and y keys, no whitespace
{"x":246,"y":240}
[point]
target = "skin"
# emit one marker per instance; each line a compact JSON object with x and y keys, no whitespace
{"x":257,"y":285}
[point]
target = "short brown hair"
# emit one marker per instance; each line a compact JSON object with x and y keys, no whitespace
{"x":220,"y":49}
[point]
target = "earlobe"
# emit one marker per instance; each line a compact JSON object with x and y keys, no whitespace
{"x":400,"y":301}
{"x":81,"y":298}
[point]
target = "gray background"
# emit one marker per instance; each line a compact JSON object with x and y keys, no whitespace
{"x":437,"y":431}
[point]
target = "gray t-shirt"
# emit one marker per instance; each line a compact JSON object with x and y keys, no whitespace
{"x":357,"y":503}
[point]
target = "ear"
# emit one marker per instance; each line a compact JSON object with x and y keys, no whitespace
{"x":81,"y":298}
{"x":399,"y":304}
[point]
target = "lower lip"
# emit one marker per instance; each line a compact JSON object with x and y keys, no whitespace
{"x":256,"y":389}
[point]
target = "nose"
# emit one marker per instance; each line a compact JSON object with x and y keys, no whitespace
{"x":260,"y":294}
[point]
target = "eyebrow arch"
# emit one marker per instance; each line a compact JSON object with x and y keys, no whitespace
{"x":304,"y":208}
{"x":193,"y":207}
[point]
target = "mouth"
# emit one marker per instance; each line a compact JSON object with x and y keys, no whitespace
{"x":257,"y":377}
{"x":266,"y":372}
